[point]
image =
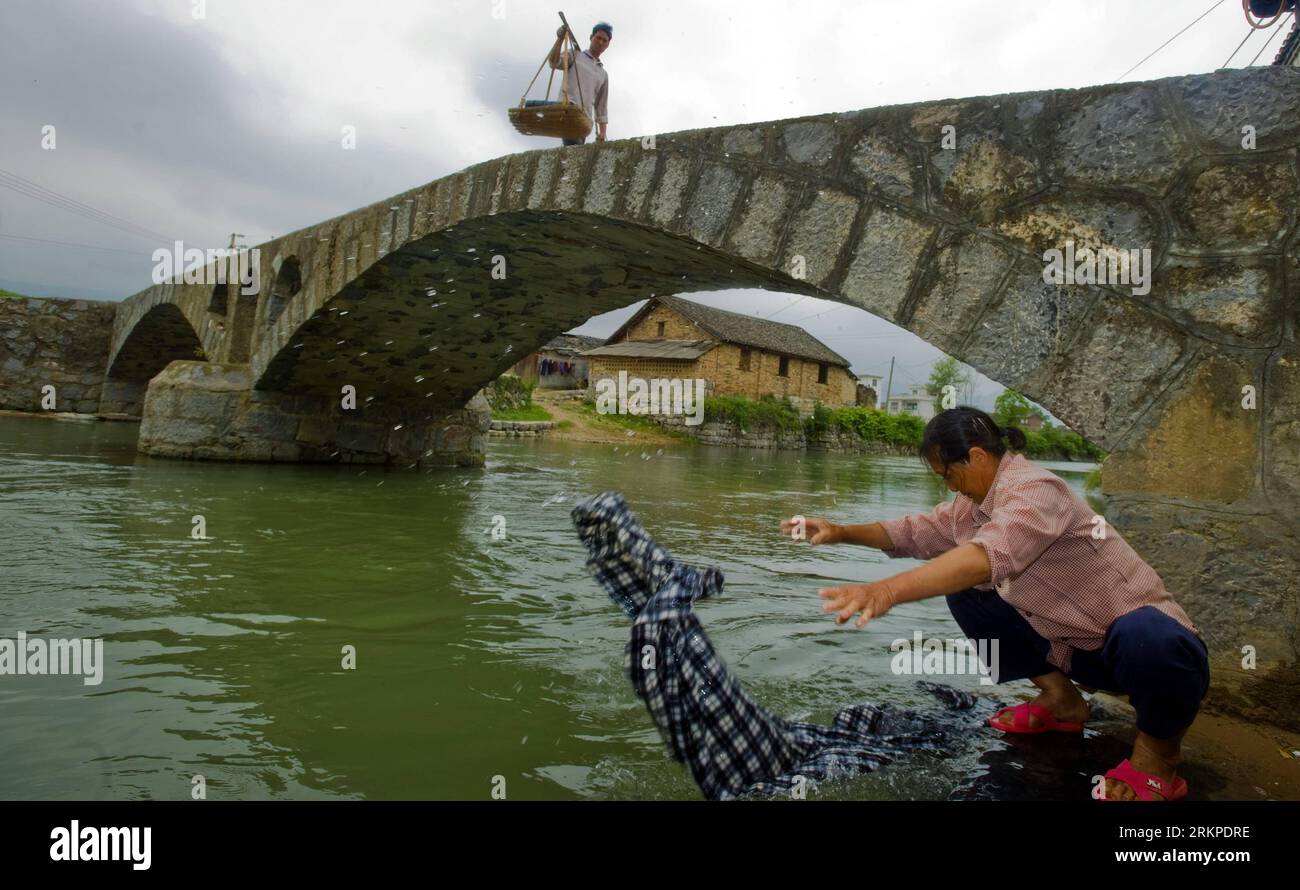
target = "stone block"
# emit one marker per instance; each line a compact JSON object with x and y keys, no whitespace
{"x":710,"y":208}
{"x":1123,"y":138}
{"x":666,"y":202}
{"x":809,"y":143}
{"x":819,"y":232}
{"x":1120,"y":363}
{"x":962,"y":278}
{"x":1239,"y":206}
{"x":1207,"y":408}
{"x":1228,"y":297}
{"x":885,"y":262}
{"x":1281,"y":409}
{"x":762,"y":218}
{"x":1264,"y":98}
{"x":1029,"y":325}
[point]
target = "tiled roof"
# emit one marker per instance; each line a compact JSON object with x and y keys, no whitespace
{"x":1290,"y":46}
{"x":673,"y":349}
{"x":744,"y":330}
{"x":570,"y":344}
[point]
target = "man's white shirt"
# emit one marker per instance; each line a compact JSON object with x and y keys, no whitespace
{"x":590,"y":75}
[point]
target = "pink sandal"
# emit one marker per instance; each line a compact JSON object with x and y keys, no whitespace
{"x":1020,"y":720}
{"x":1144,"y":783}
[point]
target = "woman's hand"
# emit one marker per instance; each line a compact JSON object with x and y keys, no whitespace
{"x":811,"y":529}
{"x":872,"y":600}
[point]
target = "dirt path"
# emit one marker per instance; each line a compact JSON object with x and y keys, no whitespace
{"x":584,"y":429}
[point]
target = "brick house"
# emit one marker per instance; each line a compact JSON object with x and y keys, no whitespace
{"x":735,"y":354}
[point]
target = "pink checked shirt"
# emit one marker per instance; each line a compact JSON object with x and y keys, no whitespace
{"x":1046,"y":562}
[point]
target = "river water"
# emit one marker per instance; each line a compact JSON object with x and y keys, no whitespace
{"x":476,"y":655}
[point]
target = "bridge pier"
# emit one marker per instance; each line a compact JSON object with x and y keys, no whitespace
{"x":210,"y":411}
{"x":122,"y":398}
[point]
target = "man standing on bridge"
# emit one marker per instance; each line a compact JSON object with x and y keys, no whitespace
{"x":592,"y":87}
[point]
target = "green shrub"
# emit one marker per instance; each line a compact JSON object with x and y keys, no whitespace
{"x":1055,"y":443}
{"x":873,"y":425}
{"x":509,"y":392}
{"x":819,"y":421}
{"x":749,"y":413}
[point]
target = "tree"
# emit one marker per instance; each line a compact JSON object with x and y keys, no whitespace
{"x":1011,"y":409}
{"x":946,"y":372}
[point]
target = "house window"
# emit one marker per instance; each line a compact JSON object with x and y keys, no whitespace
{"x":822,"y":370}
{"x":784,"y":370}
{"x":661,"y":329}
{"x":744,"y":359}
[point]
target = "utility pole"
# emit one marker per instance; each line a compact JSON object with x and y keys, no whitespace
{"x":890,"y":385}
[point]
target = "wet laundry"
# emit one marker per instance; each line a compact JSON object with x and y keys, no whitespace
{"x":733,"y":746}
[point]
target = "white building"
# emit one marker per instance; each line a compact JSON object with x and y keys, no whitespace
{"x":871,"y":382}
{"x":915,"y":401}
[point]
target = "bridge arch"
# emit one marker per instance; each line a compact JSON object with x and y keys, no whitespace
{"x":936,"y":217}
{"x":163,"y":333}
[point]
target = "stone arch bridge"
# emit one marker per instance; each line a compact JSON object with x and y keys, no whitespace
{"x":935,"y":216}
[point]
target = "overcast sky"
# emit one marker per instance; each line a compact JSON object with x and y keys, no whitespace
{"x":194,"y":128}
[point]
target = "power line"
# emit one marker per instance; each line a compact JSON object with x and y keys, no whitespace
{"x":71,"y":202}
{"x":70,"y":244}
{"x":856,"y":336}
{"x":822,"y":312}
{"x":73,"y":208}
{"x":1169,"y":41}
{"x":77,"y":211}
{"x":1276,"y":31}
{"x":38,"y":192}
{"x":785,"y":307}
{"x":1238,"y":49}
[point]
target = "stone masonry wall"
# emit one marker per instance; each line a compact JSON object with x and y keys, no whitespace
{"x":727,"y":433}
{"x":209,"y":411}
{"x":62,"y":343}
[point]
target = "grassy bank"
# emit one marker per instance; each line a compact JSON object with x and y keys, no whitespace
{"x":629,"y":422}
{"x":527,"y":412}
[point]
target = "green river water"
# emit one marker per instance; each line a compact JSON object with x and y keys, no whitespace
{"x":475,"y":657}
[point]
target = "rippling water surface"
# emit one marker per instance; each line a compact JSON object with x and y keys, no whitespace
{"x":475,"y":657}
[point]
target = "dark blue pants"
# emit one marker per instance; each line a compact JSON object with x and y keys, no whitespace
{"x":1161,"y":666}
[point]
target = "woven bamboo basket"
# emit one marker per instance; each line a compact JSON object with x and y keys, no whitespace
{"x":561,"y":120}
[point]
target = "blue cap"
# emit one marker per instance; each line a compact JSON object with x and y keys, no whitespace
{"x":606,"y":27}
